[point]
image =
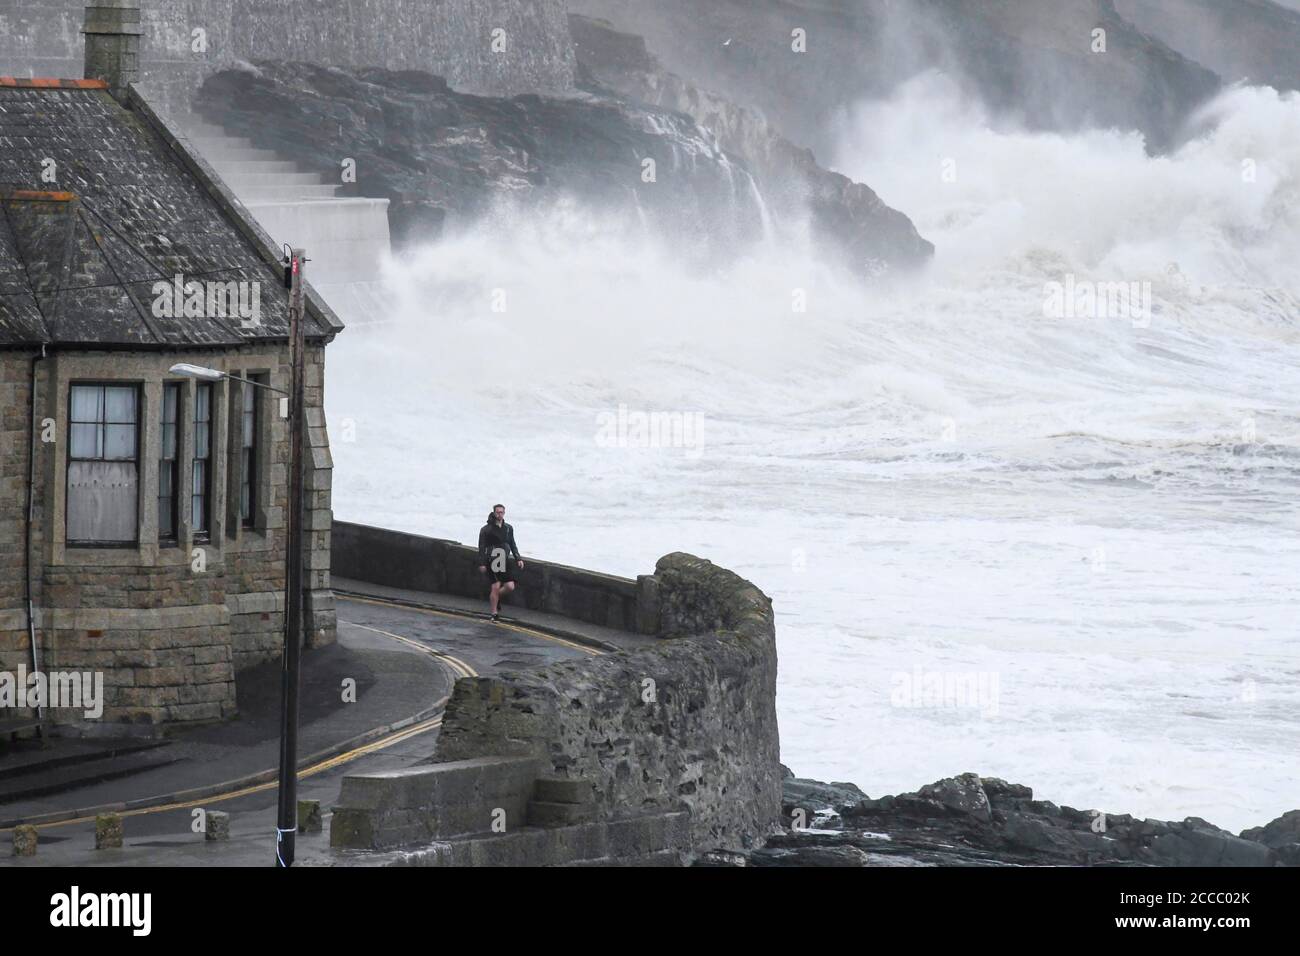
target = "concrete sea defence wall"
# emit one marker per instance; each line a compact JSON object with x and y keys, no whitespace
{"x":685,"y":725}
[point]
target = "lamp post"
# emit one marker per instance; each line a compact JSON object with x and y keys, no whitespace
{"x":286,"y":827}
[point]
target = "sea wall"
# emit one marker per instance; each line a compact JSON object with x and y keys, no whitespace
{"x":687,"y":724}
{"x":187,"y":40}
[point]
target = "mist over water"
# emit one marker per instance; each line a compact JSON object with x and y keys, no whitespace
{"x":929,"y":476}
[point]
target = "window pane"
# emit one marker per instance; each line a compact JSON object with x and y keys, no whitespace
{"x":200,"y":440}
{"x":87,"y":403}
{"x":101,"y":502}
{"x":171,"y":394}
{"x":168,"y":442}
{"x":85,"y":441}
{"x":119,"y":442}
{"x":119,"y":405}
{"x":166,"y":527}
{"x":203,"y":403}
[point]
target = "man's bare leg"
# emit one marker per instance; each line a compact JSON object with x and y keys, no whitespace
{"x":495,"y":598}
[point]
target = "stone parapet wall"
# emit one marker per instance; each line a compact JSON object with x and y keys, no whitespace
{"x":401,"y":560}
{"x":687,"y":724}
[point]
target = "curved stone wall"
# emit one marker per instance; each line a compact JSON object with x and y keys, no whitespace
{"x":687,"y":724}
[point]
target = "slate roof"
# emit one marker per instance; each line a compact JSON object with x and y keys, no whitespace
{"x":131,"y":205}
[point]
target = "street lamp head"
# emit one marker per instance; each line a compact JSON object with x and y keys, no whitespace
{"x":198,"y":371}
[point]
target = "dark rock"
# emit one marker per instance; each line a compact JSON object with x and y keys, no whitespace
{"x":1277,"y":833}
{"x":810,"y":856}
{"x":997,"y":789}
{"x":812,"y":796}
{"x":953,"y":822}
{"x":1195,"y":847}
{"x":847,"y":219}
{"x":965,"y":794}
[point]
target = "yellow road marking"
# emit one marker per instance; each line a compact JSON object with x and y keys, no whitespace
{"x":455,"y":664}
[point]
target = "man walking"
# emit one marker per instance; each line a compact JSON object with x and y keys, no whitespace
{"x":496,"y":550}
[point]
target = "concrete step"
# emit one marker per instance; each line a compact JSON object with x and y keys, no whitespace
{"x":254,"y":193}
{"x":542,"y":813}
{"x":564,"y":790}
{"x":220,"y":152}
{"x":252,"y":167}
{"x":236,"y":181}
{"x":221,"y":141}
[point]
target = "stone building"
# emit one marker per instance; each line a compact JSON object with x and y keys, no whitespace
{"x":142,"y":514}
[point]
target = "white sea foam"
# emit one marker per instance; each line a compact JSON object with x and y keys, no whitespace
{"x":936,"y":478}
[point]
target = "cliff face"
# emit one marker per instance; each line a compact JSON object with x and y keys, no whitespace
{"x":444,"y":157}
{"x":1021,"y":56}
{"x":1254,"y":40}
{"x":848,"y":219}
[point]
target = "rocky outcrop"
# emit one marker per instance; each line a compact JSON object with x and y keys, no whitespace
{"x":847,"y":218}
{"x":1023,"y":57}
{"x":1253,"y":40}
{"x":442,"y":157}
{"x":971,"y":820}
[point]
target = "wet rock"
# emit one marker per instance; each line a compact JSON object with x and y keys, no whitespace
{"x":972,"y":821}
{"x":812,"y":796}
{"x":964,"y":794}
{"x":1197,"y":847}
{"x":810,"y":856}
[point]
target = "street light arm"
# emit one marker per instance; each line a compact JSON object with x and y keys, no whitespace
{"x":215,"y":375}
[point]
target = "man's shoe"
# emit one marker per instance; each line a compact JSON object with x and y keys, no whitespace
{"x":495,"y":618}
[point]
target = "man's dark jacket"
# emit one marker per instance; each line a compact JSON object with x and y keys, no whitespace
{"x":493,"y":537}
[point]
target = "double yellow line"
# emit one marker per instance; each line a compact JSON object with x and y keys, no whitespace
{"x":457,"y":666}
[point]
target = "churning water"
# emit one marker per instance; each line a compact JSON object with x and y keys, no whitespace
{"x":1091,"y":519}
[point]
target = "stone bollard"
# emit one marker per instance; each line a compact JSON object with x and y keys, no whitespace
{"x":108,"y":831}
{"x":309,"y":818}
{"x":216,"y":826}
{"x":25,"y":840}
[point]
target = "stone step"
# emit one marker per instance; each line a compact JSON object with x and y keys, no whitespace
{"x":77,"y":775}
{"x":542,"y":813}
{"x":564,"y":790}
{"x":33,"y":758}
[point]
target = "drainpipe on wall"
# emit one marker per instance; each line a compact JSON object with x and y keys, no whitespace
{"x":27,"y":532}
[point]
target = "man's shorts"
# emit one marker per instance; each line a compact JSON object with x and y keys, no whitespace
{"x":501,"y":577}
